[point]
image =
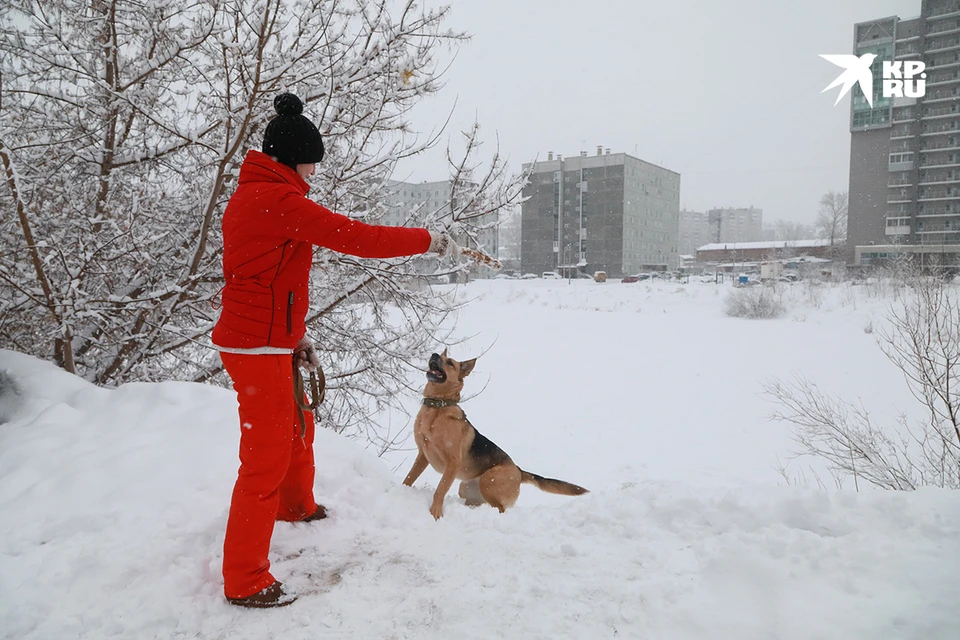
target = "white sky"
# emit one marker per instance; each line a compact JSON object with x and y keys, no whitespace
{"x":728,"y":94}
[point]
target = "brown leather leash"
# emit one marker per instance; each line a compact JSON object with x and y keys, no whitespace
{"x":318,"y":390}
{"x":480,"y":258}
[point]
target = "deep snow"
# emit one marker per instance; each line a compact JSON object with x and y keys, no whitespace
{"x":114,"y":501}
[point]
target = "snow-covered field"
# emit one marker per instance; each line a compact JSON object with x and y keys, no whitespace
{"x":114,"y":502}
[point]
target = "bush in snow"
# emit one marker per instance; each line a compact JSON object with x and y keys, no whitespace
{"x":922,"y":338}
{"x":761,"y":301}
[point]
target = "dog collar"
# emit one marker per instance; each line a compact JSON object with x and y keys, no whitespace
{"x":438,"y":403}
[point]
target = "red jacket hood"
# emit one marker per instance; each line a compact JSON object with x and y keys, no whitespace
{"x":259,"y":167}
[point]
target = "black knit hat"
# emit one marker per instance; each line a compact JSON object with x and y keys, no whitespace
{"x":291,"y":137}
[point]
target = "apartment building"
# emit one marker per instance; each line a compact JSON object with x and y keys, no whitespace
{"x":735,"y":224}
{"x":905,"y":152}
{"x":694,"y":231}
{"x":404,"y":198}
{"x":604,"y":212}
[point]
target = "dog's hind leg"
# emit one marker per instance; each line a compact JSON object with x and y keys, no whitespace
{"x":470,"y":491}
{"x":500,"y":485}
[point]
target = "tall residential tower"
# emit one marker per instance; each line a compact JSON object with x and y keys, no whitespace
{"x":905,"y":152}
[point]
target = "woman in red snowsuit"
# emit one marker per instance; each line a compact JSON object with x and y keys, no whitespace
{"x":269,"y":230}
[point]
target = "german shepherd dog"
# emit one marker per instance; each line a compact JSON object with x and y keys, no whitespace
{"x":455,"y":449}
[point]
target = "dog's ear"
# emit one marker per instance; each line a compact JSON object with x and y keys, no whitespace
{"x":466,"y":368}
{"x":444,"y":354}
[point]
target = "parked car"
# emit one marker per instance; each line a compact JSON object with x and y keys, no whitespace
{"x":600,"y":276}
{"x":551,"y":275}
{"x":528,"y":276}
{"x":640,"y":277}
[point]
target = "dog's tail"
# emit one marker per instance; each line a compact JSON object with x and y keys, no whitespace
{"x":550,"y":485}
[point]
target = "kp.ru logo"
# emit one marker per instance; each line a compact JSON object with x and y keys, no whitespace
{"x":900,"y":78}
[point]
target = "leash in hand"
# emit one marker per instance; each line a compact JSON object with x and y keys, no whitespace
{"x":481,"y":258}
{"x":318,"y":389}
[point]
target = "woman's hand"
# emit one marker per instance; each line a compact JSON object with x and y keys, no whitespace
{"x":305,"y":355}
{"x":443,"y":245}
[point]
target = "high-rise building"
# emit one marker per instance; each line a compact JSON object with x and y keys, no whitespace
{"x":427,"y":197}
{"x":694,"y":232}
{"x":743,"y":224}
{"x":608,"y":212}
{"x":719,"y":225}
{"x":905,"y":152}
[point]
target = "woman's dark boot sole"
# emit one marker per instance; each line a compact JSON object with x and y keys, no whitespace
{"x":273,"y":596}
{"x":319,"y":514}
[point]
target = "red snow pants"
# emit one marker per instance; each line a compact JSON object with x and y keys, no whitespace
{"x":275,"y":481}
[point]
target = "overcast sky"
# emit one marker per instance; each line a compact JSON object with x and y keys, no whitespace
{"x":727,"y":93}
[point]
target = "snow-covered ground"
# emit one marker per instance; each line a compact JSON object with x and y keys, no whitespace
{"x":113,"y":502}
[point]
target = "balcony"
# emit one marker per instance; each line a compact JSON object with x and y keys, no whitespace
{"x":948,"y":11}
{"x":937,"y":114}
{"x":941,"y":178}
{"x":944,"y":63}
{"x":946,"y":45}
{"x":945,"y":146}
{"x":899,"y":185}
{"x":945,"y":230}
{"x":897,"y":225}
{"x":951,"y":164}
{"x":943,"y":29}
{"x":902,"y":116}
{"x":936,"y":98}
{"x":938,"y":82}
{"x":902,"y":132}
{"x":938,"y":131}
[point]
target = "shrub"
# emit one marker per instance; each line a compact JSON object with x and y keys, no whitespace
{"x":755,"y":302}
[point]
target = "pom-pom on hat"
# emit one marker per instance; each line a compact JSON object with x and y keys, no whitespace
{"x":291,"y":137}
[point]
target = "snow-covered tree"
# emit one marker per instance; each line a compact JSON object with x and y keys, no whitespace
{"x":122,"y":128}
{"x":510,"y":235}
{"x":791,"y":230}
{"x":832,"y":218}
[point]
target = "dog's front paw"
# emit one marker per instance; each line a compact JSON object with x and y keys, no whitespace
{"x":437,"y":510}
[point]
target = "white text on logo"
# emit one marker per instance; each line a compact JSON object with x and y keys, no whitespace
{"x":900,"y":79}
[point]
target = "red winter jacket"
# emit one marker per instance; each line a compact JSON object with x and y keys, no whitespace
{"x":269,"y":227}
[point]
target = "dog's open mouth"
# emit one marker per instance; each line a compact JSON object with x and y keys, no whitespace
{"x":435,"y":373}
